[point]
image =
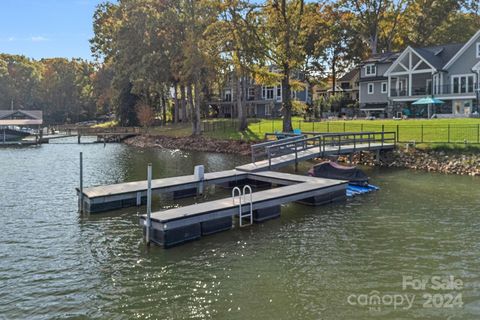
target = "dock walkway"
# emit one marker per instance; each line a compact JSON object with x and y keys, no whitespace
{"x":280,"y":154}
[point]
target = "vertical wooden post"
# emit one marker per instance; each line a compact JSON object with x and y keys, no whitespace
{"x":149,"y":202}
{"x":397,"y":135}
{"x":448,"y":133}
{"x":81,"y":183}
{"x":421,"y":133}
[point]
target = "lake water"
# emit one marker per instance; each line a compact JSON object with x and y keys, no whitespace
{"x":328,"y":262}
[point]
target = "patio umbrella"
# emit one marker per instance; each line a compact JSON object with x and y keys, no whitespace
{"x":428,"y":101}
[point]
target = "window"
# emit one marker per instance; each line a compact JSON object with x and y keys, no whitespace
{"x":279,"y":93}
{"x":251,"y":93}
{"x":384,"y":87}
{"x":478,"y":50}
{"x":463,"y":84}
{"x":228,"y":95}
{"x":370,"y":88}
{"x":267,"y":93}
{"x":370,"y":70}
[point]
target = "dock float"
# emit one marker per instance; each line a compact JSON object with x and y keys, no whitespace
{"x":122,"y":195}
{"x":176,"y":226}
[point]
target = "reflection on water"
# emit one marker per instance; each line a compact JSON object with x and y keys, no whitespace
{"x":57,"y":263}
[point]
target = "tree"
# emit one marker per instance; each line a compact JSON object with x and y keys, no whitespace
{"x":377,"y":20}
{"x":145,"y":115}
{"x":283,"y":38}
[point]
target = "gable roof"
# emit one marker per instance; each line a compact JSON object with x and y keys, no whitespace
{"x":29,"y":117}
{"x":350,"y":75}
{"x":31,"y":114}
{"x":384,"y":57}
{"x":462,"y":50}
{"x":438,"y":56}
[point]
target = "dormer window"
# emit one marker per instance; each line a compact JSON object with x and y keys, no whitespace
{"x":370,"y":70}
{"x":478,"y":50}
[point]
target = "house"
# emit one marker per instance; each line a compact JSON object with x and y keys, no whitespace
{"x":325,"y":89}
{"x":448,"y":72}
{"x":373,"y":88}
{"x":349,"y":84}
{"x":263,"y":101}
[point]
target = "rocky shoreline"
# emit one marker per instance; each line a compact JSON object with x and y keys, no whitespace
{"x":191,"y":143}
{"x":467,"y":163}
{"x":425,"y":160}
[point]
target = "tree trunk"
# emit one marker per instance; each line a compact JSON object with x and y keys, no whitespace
{"x":334,"y":73}
{"x":183,"y":109}
{"x":240,"y":84}
{"x":196,"y":109}
{"x":164,"y":103}
{"x":374,"y":42}
{"x":287,"y":100}
{"x":175,"y":99}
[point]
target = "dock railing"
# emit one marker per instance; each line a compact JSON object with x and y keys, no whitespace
{"x":260,"y":150}
{"x":330,"y":141}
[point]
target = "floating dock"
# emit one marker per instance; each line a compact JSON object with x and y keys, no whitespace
{"x":176,"y":226}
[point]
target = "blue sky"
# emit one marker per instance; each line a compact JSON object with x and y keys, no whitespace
{"x":47,"y":28}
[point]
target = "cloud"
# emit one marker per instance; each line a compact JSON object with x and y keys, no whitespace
{"x":38,"y":39}
{"x":10,"y":39}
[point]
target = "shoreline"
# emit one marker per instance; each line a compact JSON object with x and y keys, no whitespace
{"x":467,"y":163}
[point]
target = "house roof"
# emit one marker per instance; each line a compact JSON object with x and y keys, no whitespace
{"x":438,"y":56}
{"x":20,"y":117}
{"x":384,"y":57}
{"x":350,"y":75}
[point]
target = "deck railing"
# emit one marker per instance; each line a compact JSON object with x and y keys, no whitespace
{"x":330,"y":141}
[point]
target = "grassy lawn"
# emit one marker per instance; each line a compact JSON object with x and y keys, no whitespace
{"x":420,"y":131}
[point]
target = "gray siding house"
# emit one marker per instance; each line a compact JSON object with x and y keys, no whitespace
{"x":263,"y":101}
{"x":447,"y":72}
{"x":373,"y":95}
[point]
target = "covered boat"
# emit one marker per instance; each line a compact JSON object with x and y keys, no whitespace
{"x":332,"y":170}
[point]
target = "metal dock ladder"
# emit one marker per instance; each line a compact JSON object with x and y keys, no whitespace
{"x":242,"y":198}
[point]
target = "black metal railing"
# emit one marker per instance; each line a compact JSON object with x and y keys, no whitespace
{"x":328,"y":142}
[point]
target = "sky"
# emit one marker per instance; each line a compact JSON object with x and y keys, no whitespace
{"x":47,"y":28}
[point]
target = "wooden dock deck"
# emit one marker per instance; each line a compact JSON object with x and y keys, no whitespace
{"x":175,"y":226}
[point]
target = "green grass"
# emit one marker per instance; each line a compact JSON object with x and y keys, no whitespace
{"x":435,"y":131}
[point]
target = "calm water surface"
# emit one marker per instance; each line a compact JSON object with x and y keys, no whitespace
{"x":56,"y":263}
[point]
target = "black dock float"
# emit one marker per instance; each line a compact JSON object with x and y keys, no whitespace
{"x":264,"y":214}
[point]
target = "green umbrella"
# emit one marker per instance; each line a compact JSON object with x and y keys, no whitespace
{"x":428,"y":101}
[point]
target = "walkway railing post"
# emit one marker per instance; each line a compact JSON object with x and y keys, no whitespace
{"x":269,"y":158}
{"x":296,"y":157}
{"x":81,"y":183}
{"x":149,"y":203}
